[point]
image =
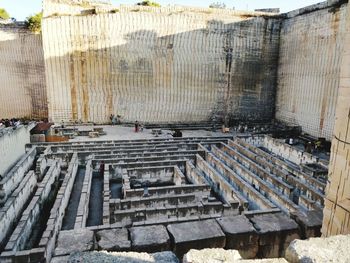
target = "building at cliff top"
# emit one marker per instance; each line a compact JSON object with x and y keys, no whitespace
{"x":279,"y":81}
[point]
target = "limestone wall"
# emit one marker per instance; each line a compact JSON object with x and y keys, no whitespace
{"x":337,"y":201}
{"x":22,"y":73}
{"x":309,"y":67}
{"x":160,"y":64}
{"x":12,"y":146}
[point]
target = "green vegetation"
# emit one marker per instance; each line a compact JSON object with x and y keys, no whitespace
{"x":4,"y":14}
{"x":148,"y":3}
{"x":217,"y":5}
{"x":34,"y":22}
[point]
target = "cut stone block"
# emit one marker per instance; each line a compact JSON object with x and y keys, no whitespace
{"x":331,"y":249}
{"x":211,"y":255}
{"x":310,"y":223}
{"x":63,"y":259}
{"x":122,"y":257}
{"x":240,"y":235}
{"x":196,"y":235}
{"x":74,"y":240}
{"x":220,"y":255}
{"x":150,"y":238}
{"x":264,"y":260}
{"x":276,"y":231}
{"x":113,"y":240}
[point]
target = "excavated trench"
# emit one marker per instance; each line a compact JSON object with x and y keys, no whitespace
{"x":96,"y":200}
{"x":72,"y":209}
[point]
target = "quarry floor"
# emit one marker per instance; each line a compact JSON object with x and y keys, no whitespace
{"x":120,"y":132}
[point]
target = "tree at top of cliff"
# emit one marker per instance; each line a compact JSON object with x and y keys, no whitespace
{"x":149,"y":3}
{"x":34,"y":22}
{"x":4,"y":14}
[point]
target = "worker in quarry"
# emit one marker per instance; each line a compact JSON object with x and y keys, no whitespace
{"x":114,"y":120}
{"x":137,"y":126}
{"x":177,"y":133}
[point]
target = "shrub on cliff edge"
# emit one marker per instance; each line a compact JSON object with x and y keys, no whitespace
{"x":34,"y":22}
{"x":148,"y":3}
{"x":4,"y":14}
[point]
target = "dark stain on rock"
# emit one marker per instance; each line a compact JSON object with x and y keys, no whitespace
{"x":253,"y":78}
{"x":73,"y":87}
{"x":84,"y":87}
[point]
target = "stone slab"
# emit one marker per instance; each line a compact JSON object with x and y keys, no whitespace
{"x":113,"y":240}
{"x":240,"y":234}
{"x":310,"y":223}
{"x":276,"y":231}
{"x":123,"y":257}
{"x":149,"y":239}
{"x":74,"y":240}
{"x":211,"y":255}
{"x":62,"y":259}
{"x":196,"y":235}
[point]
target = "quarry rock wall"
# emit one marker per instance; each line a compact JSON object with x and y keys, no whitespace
{"x":12,"y":145}
{"x":337,"y":202}
{"x":175,"y":64}
{"x":309,"y":67}
{"x":159,"y":65}
{"x":22,"y":73}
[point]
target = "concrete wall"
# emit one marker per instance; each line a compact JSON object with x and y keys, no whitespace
{"x":22,"y":73}
{"x":309,"y":68}
{"x":337,"y":203}
{"x":12,"y":145}
{"x":159,"y":64}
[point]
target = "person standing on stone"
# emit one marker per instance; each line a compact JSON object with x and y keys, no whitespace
{"x":114,"y":120}
{"x":137,"y":125}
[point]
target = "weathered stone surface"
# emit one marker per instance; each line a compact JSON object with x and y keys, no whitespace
{"x":337,"y":203}
{"x":275,"y":231}
{"x":23,"y":87}
{"x":310,"y":223}
{"x":332,"y":249}
{"x":196,"y":235}
{"x":219,"y":255}
{"x":74,"y":240}
{"x":258,"y":66}
{"x":240,"y":235}
{"x":122,"y":257}
{"x":62,"y":259}
{"x":211,"y":256}
{"x":113,"y":240}
{"x":150,"y":238}
{"x":314,"y":97}
{"x":265,"y":260}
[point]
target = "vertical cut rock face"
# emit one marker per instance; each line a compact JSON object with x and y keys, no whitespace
{"x":22,"y":73}
{"x":160,"y":65}
{"x":309,"y":68}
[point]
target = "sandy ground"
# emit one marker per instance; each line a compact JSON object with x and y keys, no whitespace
{"x":119,"y":132}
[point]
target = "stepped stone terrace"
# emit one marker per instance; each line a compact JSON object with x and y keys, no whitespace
{"x":254,"y":194}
